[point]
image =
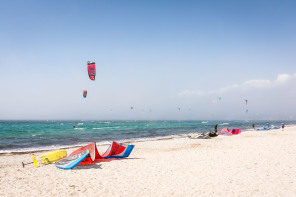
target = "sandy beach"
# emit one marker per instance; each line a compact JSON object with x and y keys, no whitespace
{"x":254,"y":163}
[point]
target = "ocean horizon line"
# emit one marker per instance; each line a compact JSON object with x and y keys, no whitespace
{"x":147,"y":120}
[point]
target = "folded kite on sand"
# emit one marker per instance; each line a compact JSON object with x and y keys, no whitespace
{"x":71,"y":161}
{"x":268,"y":128}
{"x":226,"y":131}
{"x":199,"y":136}
{"x":89,"y":154}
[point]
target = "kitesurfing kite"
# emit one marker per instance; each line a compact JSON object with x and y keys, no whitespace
{"x":89,"y":155}
{"x":91,"y":69}
{"x":226,"y":131}
{"x":84,"y":93}
{"x":246,"y":102}
{"x":219,"y":98}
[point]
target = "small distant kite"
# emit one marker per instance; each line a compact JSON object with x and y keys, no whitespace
{"x":91,"y":69}
{"x":246,"y":102}
{"x":84,"y":93}
{"x":132,"y":107}
{"x":219,"y":98}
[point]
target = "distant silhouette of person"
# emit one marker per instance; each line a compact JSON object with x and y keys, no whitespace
{"x":283,"y":126}
{"x":214,"y":133}
{"x":74,"y":126}
{"x":253,"y":125}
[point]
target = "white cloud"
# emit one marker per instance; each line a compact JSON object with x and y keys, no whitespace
{"x":268,"y":99}
{"x":261,"y":83}
{"x":281,"y":79}
{"x":228,"y":88}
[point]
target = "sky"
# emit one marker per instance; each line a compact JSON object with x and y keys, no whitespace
{"x":168,"y":59}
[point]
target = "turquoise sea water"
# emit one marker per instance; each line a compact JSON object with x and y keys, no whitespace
{"x":24,"y":136}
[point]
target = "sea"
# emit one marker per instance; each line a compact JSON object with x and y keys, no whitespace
{"x":28,"y":135}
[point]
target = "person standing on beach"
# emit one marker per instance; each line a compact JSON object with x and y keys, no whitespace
{"x":283,"y":126}
{"x":214,"y":133}
{"x":253,"y":125}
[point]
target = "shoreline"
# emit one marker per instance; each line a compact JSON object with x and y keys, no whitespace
{"x":126,"y":141}
{"x":105,"y":143}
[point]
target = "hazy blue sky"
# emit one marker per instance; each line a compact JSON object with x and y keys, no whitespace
{"x":156,"y":56}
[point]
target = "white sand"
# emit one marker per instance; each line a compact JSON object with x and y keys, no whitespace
{"x":254,"y":163}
